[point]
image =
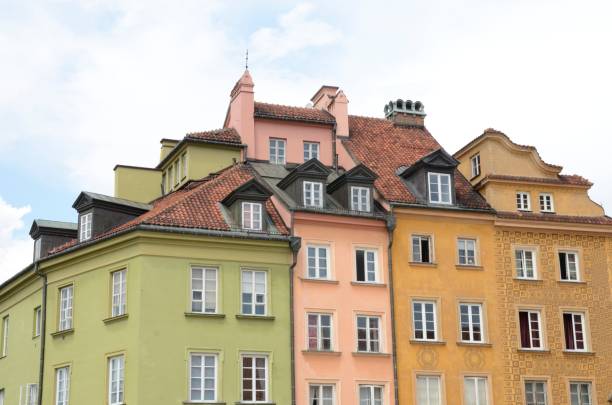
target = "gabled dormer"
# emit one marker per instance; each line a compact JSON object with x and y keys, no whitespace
{"x":50,"y":234}
{"x":432,"y":179}
{"x":247,"y":207}
{"x":354,"y":189}
{"x":100,"y":213}
{"x":306,"y":184}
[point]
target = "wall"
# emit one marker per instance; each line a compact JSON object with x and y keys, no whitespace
{"x":137,"y":184}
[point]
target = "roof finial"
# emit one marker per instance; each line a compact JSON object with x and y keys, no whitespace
{"x":246,"y":60}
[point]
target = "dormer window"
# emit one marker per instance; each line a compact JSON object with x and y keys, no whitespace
{"x":251,"y":216}
{"x":546,"y":202}
{"x":475,"y":162}
{"x":439,"y":188}
{"x":360,"y":199}
{"x":277,"y":151}
{"x":313,"y":194}
{"x":85,"y":226}
{"x":311,"y":151}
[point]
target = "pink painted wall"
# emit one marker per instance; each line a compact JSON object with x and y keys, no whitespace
{"x":344,"y":300}
{"x":295,"y":134}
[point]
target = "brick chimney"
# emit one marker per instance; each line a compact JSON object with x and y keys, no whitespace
{"x":334,"y":101}
{"x":406,"y":113}
{"x":242,"y":110}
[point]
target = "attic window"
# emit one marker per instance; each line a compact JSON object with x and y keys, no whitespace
{"x":311,"y":151}
{"x":312,"y":194}
{"x":360,"y":199}
{"x":439,"y":188}
{"x":251,"y":216}
{"x":85,"y":226}
{"x":277,"y":151}
{"x":475,"y":162}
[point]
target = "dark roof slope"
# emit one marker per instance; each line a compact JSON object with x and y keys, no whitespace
{"x":285,"y":112}
{"x":385,"y":147}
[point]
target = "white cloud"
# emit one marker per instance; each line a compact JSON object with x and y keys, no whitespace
{"x":15,"y":252}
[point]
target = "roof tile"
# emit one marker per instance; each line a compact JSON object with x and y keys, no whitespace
{"x":285,"y":112}
{"x":224,"y":135}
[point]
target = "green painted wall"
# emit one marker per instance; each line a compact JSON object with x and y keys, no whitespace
{"x":137,"y":184}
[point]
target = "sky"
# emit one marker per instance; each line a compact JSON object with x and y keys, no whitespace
{"x":88,"y":84}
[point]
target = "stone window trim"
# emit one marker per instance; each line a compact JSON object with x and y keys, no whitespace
{"x":429,"y":373}
{"x":582,"y":380}
{"x":484,"y":319}
{"x":543,"y":328}
{"x":476,"y":240}
{"x":432,"y":248}
{"x":536,"y":261}
{"x":579,"y":263}
{"x":543,"y":378}
{"x":487,"y":376}
{"x":438,"y":319}
{"x":586,"y":328}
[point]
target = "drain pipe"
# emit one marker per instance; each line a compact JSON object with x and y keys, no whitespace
{"x":43,"y":332}
{"x":390,"y":229}
{"x":295,"y":247}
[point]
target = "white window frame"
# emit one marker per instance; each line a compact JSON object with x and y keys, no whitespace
{"x":37,"y":321}
{"x":475,"y":165}
{"x":62,"y":385}
{"x":530,"y":331}
{"x":585,"y":340}
{"x":360,"y":199}
{"x":463,"y":246}
{"x":1,"y":396}
{"x":317,"y":268}
{"x":368,"y":329}
{"x":37,"y":248}
{"x":116,"y":375}
{"x":476,"y":392}
{"x":66,"y":308}
{"x":253,"y":358}
{"x":5,"y":335}
{"x":520,"y":263}
{"x":252,"y":218}
{"x":533,"y":399}
{"x":428,"y":379}
{"x":578,"y":392}
{"x":252,"y":285}
{"x":417,"y":256}
{"x":313,"y":194}
{"x":311,"y":150}
{"x":31,"y":391}
{"x":319,"y":329}
{"x":576,"y":273}
{"x":207,"y":284}
{"x":322,"y":400}
{"x":523,"y":201}
{"x":438,"y":190}
{"x":547,"y":203}
{"x":470,"y":323}
{"x":85,"y":226}
{"x":371,"y":399}
{"x":276,"y":146}
{"x":423,"y":320}
{"x":119,"y":292}
{"x":367,"y":273}
{"x":202,"y":380}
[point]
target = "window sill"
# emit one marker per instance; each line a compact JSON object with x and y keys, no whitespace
{"x":203,"y":315}
{"x":258,"y":317}
{"x":372,"y":354}
{"x":535,"y":351}
{"x":578,"y":282}
{"x":368,"y":284}
{"x":3,"y":357}
{"x":427,"y":342}
{"x":423,"y":264}
{"x":113,"y":319}
{"x":35,"y":337}
{"x":579,"y":353}
{"x":63,"y":332}
{"x":323,"y":352}
{"x":257,"y":403}
{"x":469,"y":267}
{"x":318,"y":280}
{"x":203,"y":402}
{"x":474,"y":344}
{"x":528,"y":280}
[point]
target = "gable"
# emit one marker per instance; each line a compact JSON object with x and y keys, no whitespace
{"x":312,"y":169}
{"x":251,"y":190}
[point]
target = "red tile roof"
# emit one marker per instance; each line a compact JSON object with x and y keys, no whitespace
{"x":196,"y":206}
{"x":601,"y":220}
{"x":285,"y":112}
{"x":562,"y":179}
{"x":223,"y":135}
{"x":384,"y":147}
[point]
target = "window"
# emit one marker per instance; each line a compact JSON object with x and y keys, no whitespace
{"x":368,"y":334}
{"x":580,"y":393}
{"x":253,"y":292}
{"x":177,"y":171}
{"x":62,"y":385}
{"x":277,"y":151}
{"x":568,"y":262}
{"x":163,"y":182}
{"x":86,"y":220}
{"x":37,"y":248}
{"x":439,"y":188}
{"x":311,"y":151}
{"x":204,"y":290}
{"x":467,"y":251}
{"x":523,"y":202}
{"x":321,"y":394}
{"x":546,"y":202}
{"x":370,"y":395}
{"x":312,"y":194}
{"x":525,"y":263}
{"x":367,"y":266}
{"x":428,"y":390}
{"x":119,"y":293}
{"x":573,"y":325}
{"x":203,"y":377}
{"x":319,"y":332}
{"x":5,"y":335}
{"x":535,"y":393}
{"x":475,"y":162}
{"x":360,"y":199}
{"x":116,"y":368}
{"x":65,"y":309}
{"x":183,"y":165}
{"x":421,"y":249}
{"x":32,"y":394}
{"x":2,"y":397}
{"x":251,"y":216}
{"x":254,"y":378}
{"x":475,"y":391}
{"x":318,"y":262}
{"x":424,"y":320}
{"x":37,"y":321}
{"x":530,"y":329}
{"x":471,"y":322}
{"x":170,"y":177}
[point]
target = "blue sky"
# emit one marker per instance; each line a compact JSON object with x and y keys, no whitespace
{"x":88,"y":84}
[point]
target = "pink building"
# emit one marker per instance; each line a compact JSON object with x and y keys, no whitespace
{"x":341,"y":292}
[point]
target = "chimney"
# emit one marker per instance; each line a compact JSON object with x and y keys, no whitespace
{"x":242,"y":110}
{"x":406,"y":113}
{"x":166,"y":147}
{"x":334,"y":101}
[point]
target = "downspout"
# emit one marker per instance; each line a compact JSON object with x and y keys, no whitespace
{"x":295,"y":247}
{"x":390,"y":229}
{"x":43,"y":333}
{"x":334,"y":151}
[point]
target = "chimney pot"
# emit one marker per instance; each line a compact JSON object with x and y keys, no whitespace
{"x":406,"y":113}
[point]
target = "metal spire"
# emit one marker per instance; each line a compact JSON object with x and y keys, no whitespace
{"x":246,"y":60}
